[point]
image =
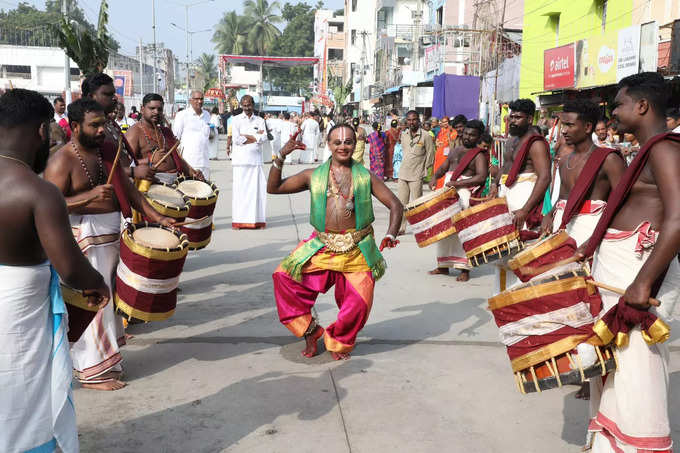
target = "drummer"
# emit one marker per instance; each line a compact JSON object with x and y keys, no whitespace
{"x":341,"y":252}
{"x":636,"y":244}
{"x":524,"y":177}
{"x":80,"y":170}
{"x":465,"y":169}
{"x":150,"y":141}
{"x":526,"y":167}
{"x":579,"y":118}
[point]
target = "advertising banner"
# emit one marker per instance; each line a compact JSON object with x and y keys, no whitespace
{"x":558,"y":67}
{"x":432,"y":58}
{"x":628,"y":61}
{"x":122,"y":82}
{"x":607,"y":58}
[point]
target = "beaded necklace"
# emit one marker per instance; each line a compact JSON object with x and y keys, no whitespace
{"x":100,"y":173}
{"x":156,"y":139}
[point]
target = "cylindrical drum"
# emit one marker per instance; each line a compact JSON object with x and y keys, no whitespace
{"x":487,"y":231}
{"x":542,"y":255}
{"x":430,"y":216}
{"x":151,"y":261}
{"x":203,"y":198}
{"x":547,"y":328}
{"x":168,"y":201}
{"x":80,"y":315}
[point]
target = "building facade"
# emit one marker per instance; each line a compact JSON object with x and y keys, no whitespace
{"x":329,"y":48}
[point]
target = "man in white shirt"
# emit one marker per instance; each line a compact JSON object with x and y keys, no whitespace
{"x":192,"y":127}
{"x":310,"y":137}
{"x":288,"y":129}
{"x":123,"y":121}
{"x":600,"y":137}
{"x":60,"y":116}
{"x":249,"y":194}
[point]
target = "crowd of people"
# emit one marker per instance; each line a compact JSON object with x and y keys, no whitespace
{"x":62,"y":229}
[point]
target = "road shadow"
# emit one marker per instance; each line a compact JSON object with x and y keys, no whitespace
{"x":576,"y":413}
{"x":217,"y":421}
{"x":427,"y":321}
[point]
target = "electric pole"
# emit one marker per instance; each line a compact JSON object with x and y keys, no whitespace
{"x":155,"y":76}
{"x":67,"y":60}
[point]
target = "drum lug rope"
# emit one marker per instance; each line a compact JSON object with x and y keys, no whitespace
{"x":580,"y":368}
{"x":536,"y":383}
{"x":518,"y":381}
{"x":602,"y":364}
{"x":557,"y":376}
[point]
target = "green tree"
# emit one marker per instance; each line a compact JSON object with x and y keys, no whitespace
{"x":208,"y":68}
{"x":263,"y":19}
{"x":231,"y":34}
{"x":27,"y":25}
{"x":297,"y":40}
{"x":89,"y":51}
{"x":340,"y":91}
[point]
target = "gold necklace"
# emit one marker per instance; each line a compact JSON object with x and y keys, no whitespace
{"x":17,"y":160}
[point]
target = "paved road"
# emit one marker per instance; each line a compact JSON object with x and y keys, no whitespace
{"x":428,"y":373}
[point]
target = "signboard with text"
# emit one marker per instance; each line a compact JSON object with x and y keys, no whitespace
{"x":558,"y":67}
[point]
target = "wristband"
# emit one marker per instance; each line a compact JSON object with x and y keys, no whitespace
{"x":390,"y":237}
{"x":277,"y":165}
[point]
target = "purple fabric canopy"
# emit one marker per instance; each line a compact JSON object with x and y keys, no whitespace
{"x":454,"y":94}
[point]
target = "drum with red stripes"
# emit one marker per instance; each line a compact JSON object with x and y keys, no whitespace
{"x":547,"y":328}
{"x":542,"y":256}
{"x":430,"y":216}
{"x":203,"y":198}
{"x":80,"y":315}
{"x":487,"y":231}
{"x":151,"y":261}
{"x":168,"y":201}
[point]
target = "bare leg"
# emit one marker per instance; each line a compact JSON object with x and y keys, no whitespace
{"x":312,"y":342}
{"x":439,"y":271}
{"x":464,"y":276}
{"x":340,"y":355}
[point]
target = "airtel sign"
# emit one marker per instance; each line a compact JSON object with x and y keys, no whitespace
{"x":558,"y":67}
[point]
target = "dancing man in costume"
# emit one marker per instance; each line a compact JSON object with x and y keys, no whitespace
{"x":80,"y":170}
{"x":341,"y":252}
{"x":635,"y":245}
{"x":466,"y":169}
{"x":150,"y":141}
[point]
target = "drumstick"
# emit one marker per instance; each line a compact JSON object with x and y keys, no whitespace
{"x":78,"y":204}
{"x":621,"y":292}
{"x":115,"y":160}
{"x":11,"y":87}
{"x":155,"y":166}
{"x":189,"y":222}
{"x":487,"y":198}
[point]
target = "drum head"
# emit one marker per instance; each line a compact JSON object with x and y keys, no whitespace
{"x":155,"y":237}
{"x":430,"y":196}
{"x":166,"y":195}
{"x":195,"y":188}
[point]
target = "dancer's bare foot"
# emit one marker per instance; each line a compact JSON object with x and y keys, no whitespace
{"x":113,"y":382}
{"x":463,"y":277}
{"x":312,"y":340}
{"x":439,"y":271}
{"x":340,"y":355}
{"x":584,"y":392}
{"x":129,"y":336}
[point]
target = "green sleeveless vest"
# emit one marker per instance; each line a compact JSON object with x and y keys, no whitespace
{"x":363,"y":205}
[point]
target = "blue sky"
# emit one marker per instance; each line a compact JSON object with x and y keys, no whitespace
{"x":129,"y":20}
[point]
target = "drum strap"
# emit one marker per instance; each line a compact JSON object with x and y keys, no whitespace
{"x":464,"y":162}
{"x":108,"y":156}
{"x":170,"y":140}
{"x":521,"y":156}
{"x":620,"y":192}
{"x":584,"y":183}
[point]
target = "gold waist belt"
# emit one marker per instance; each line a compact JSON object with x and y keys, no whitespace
{"x":343,"y":242}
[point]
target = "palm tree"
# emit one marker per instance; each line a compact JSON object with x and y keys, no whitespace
{"x":207,"y":67}
{"x":262,"y":15}
{"x":89,"y":51}
{"x":231,"y":34}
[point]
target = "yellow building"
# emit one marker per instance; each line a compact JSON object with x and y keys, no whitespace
{"x":552,"y":23}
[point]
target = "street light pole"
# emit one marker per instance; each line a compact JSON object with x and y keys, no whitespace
{"x":67,"y":60}
{"x":155,"y":77}
{"x":186,"y":29}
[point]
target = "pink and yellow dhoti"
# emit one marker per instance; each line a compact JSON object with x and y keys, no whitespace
{"x":353,"y":281}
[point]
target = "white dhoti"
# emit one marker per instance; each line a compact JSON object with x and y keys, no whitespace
{"x":516,"y":196}
{"x":582,"y":225}
{"x":249,"y":198}
{"x":308,"y":154}
{"x":450,"y":252}
{"x":97,"y":350}
{"x":631,"y":414}
{"x":36,"y":404}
